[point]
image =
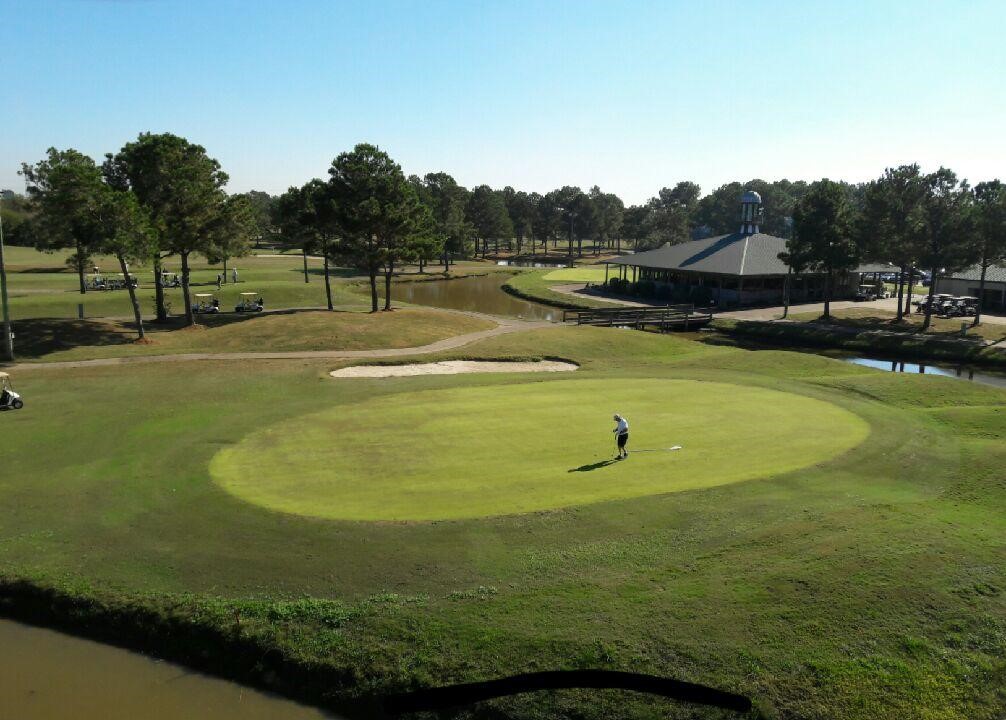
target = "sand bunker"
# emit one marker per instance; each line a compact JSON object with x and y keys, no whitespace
{"x":451,"y":367}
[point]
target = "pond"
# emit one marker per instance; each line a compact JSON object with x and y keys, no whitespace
{"x":483,"y":294}
{"x":962,"y":372}
{"x":46,"y":675}
{"x":530,"y":264}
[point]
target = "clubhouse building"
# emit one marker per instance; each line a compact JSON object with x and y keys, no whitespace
{"x":742,"y":268}
{"x":966,"y":282}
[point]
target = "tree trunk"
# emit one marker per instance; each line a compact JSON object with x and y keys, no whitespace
{"x":328,"y":283}
{"x":981,"y":293}
{"x":785,"y":292}
{"x":189,"y":317}
{"x":908,"y":292}
{"x":303,"y":252}
{"x":373,"y":289}
{"x":137,"y":316}
{"x":80,"y":270}
{"x":901,"y":293}
{"x":389,"y":270}
{"x":447,"y":260}
{"x":225,"y":271}
{"x":827,"y":295}
{"x":159,"y":309}
{"x":929,"y":301}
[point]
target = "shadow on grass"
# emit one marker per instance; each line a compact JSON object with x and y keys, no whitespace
{"x":594,"y":466}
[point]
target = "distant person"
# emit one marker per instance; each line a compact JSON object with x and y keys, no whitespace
{"x":622,"y":432}
{"x":234,"y":275}
{"x":219,"y":279}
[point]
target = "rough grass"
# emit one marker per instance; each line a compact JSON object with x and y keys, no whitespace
{"x":868,"y":586}
{"x":277,"y":332}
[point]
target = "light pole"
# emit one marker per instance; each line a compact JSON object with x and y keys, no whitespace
{"x":8,"y":338}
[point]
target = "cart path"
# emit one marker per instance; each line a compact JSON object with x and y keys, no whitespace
{"x":504,"y":326}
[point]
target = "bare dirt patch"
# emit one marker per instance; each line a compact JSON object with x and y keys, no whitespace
{"x":452,"y":367}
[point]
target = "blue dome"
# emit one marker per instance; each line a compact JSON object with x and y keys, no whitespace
{"x":750,"y":196}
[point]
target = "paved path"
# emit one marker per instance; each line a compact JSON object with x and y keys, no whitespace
{"x":504,"y":326}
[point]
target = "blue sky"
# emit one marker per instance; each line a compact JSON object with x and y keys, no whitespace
{"x":632,"y":96}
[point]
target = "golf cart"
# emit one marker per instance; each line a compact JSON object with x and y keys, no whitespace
{"x":205,"y":304}
{"x":96,"y":281}
{"x":866,"y":293}
{"x":170,"y":279}
{"x":9,"y":400}
{"x":968,"y":305}
{"x":249,"y":302}
{"x":939,"y":303}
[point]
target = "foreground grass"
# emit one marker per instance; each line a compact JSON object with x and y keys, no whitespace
{"x":271,"y":332}
{"x":869,"y":585}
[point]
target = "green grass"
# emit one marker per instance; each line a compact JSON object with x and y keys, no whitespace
{"x":584,"y":274}
{"x":62,"y":340}
{"x":862,"y":585}
{"x":532,"y":285}
{"x":413,"y":455}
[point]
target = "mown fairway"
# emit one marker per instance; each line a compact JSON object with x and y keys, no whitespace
{"x":436,"y":455}
{"x":859,"y":585}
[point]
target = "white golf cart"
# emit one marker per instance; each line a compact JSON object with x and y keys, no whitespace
{"x":170,"y":280}
{"x":205,"y":304}
{"x":9,"y":400}
{"x":249,"y":302}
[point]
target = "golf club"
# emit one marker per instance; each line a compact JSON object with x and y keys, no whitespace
{"x":675,"y":447}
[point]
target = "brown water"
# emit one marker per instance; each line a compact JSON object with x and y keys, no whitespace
{"x":45,"y":675}
{"x":480,"y":294}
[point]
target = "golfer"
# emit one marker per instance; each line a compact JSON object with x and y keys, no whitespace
{"x":622,"y":431}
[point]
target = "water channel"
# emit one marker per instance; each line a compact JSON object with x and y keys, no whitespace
{"x":962,"y":372}
{"x":478,"y":293}
{"x":46,"y":675}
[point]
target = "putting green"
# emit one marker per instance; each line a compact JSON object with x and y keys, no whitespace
{"x":503,"y":449}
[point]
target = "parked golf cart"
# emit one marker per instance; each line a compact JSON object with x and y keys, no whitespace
{"x":939,"y":301}
{"x":170,"y":279}
{"x":249,"y":302}
{"x":205,"y":303}
{"x":866,"y":293}
{"x":9,"y":400}
{"x":969,"y":305}
{"x":96,"y":281}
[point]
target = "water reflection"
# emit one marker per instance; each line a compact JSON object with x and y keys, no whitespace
{"x":479,"y":294}
{"x":45,"y":675}
{"x":962,"y":372}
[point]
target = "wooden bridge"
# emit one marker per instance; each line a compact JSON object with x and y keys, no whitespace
{"x":669,"y":317}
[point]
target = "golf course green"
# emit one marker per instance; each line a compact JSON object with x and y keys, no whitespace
{"x":438,"y":455}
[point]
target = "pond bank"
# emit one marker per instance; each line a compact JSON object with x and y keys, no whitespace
{"x":868,"y":341}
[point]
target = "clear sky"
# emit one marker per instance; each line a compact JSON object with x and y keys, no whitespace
{"x":632,"y":96}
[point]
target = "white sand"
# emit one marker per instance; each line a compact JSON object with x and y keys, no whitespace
{"x":451,"y":367}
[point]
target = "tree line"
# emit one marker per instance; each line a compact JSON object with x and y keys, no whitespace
{"x":162,"y":195}
{"x":915,"y":221}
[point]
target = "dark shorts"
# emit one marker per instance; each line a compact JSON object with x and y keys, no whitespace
{"x":622,"y":439}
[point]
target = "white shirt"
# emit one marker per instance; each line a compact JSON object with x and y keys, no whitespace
{"x":623,"y":427}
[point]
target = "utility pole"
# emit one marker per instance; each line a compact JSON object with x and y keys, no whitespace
{"x":8,"y":339}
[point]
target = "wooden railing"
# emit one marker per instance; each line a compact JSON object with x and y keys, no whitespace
{"x":670,"y":317}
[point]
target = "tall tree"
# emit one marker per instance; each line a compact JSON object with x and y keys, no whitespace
{"x":292,"y":225}
{"x":446,"y":201}
{"x":122,"y":229}
{"x":823,"y":239}
{"x":181,"y":188}
{"x":377,"y":212}
{"x":990,"y":224}
{"x":60,"y":185}
{"x":947,"y":222}
{"x":74,"y":201}
{"x":521,"y":212}
{"x":231,"y":233}
{"x":488,"y":214}
{"x":260,"y":207}
{"x":608,"y":214}
{"x":889,"y":226}
{"x":671,"y":215}
{"x":633,"y":226}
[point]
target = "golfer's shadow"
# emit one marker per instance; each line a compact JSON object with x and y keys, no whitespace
{"x":594,"y":466}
